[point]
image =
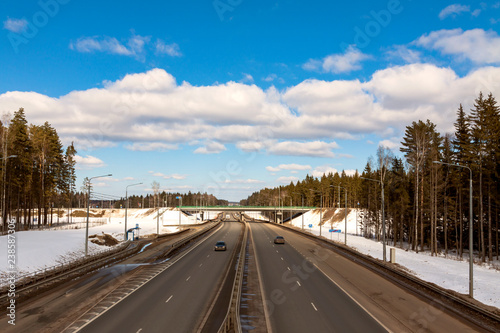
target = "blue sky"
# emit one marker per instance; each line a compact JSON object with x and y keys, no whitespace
{"x":230,"y":96}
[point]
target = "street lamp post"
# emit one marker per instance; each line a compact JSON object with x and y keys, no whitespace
{"x":88,"y":210}
{"x":383,"y":214}
{"x":126,"y":208}
{"x":471,"y":260}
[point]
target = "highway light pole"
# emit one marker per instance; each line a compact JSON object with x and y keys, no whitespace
{"x":383,"y":214}
{"x":125,"y":235}
{"x":88,"y":209}
{"x":471,"y":228}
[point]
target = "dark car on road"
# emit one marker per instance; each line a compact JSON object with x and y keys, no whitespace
{"x":279,"y":240}
{"x":220,"y":246}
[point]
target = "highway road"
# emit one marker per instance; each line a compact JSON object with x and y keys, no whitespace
{"x":310,"y":288}
{"x":299,"y":298}
{"x":177,"y":299}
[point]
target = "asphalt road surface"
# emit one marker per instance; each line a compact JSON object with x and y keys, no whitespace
{"x":177,"y":299}
{"x":299,"y":298}
{"x":309,"y":288}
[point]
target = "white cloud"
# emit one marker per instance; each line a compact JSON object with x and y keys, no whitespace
{"x":15,"y":25}
{"x":243,"y":181}
{"x":392,"y":143}
{"x":338,"y":63}
{"x":311,"y":148}
{"x":404,"y":53}
{"x":151,"y":146}
{"x":323,"y":170}
{"x":211,"y":147}
{"x":476,"y":12}
{"x":292,"y":166}
{"x":247,"y":78}
{"x":135,"y":46}
{"x":172,"y":50}
{"x":100,"y":44}
{"x":477,"y":45}
{"x":149,"y":111}
{"x":270,"y":78}
{"x":453,"y":10}
{"x":172,"y":176}
{"x":88,"y":162}
{"x":287,"y":180}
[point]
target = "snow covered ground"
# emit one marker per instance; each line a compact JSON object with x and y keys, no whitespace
{"x":450,"y":273}
{"x":37,"y":250}
{"x":40,"y":249}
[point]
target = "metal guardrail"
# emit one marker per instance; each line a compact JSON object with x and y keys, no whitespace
{"x":30,"y":282}
{"x":367,"y":260}
{"x":232,"y":322}
{"x":42,"y":274}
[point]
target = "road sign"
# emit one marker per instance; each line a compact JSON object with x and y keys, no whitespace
{"x":310,"y":225}
{"x":177,"y":197}
{"x":336,"y":230}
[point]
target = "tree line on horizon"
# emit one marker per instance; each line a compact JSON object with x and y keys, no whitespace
{"x":38,"y":178}
{"x":426,"y":203}
{"x":36,"y":169}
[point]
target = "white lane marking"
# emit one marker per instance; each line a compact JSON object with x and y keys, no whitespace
{"x":299,"y":284}
{"x":288,"y":268}
{"x":352,"y":298}
{"x":188,"y":278}
{"x":314,"y":306}
{"x":169,"y":298}
{"x":281,"y":258}
{"x":200,"y":265}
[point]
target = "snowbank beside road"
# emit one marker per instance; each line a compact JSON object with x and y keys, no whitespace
{"x":40,"y":249}
{"x":449,"y":273}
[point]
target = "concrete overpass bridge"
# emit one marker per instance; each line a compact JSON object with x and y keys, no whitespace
{"x":238,"y":209}
{"x":278,"y":213}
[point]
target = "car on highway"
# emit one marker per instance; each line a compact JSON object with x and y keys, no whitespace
{"x":220,"y":246}
{"x":279,"y":240}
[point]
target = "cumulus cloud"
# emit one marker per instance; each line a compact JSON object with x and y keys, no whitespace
{"x":15,"y":25}
{"x":338,"y":63}
{"x":88,"y":162}
{"x":150,"y":111}
{"x":392,"y":143}
{"x":323,"y":170}
{"x":476,"y":45}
